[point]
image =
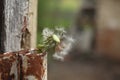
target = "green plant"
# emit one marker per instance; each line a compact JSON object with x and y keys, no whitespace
{"x":51,"y":39}
{"x":55,"y":41}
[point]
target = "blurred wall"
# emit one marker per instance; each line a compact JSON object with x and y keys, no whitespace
{"x":108,"y":35}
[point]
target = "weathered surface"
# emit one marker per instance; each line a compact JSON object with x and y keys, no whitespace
{"x":32,"y":66}
{"x":19,"y":25}
{"x":15,"y":11}
{"x":9,"y":67}
{"x":44,"y":77}
{"x":22,"y":65}
{"x":18,"y":30}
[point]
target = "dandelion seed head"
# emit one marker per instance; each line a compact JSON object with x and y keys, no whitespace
{"x":67,"y":45}
{"x":60,"y":29}
{"x":58,"y":57}
{"x":47,"y":33}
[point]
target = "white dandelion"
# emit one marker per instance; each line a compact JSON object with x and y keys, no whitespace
{"x":66,"y":47}
{"x":47,"y":33}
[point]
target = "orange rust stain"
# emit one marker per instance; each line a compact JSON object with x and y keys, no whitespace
{"x":34,"y":67}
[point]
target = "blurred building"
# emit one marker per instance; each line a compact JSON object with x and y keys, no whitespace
{"x":97,"y":28}
{"x":108,"y":24}
{"x":85,"y":26}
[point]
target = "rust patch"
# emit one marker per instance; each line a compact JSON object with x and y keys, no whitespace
{"x":32,"y":66}
{"x":7,"y":70}
{"x":21,"y":65}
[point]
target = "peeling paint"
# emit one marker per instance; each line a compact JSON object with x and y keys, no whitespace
{"x":6,"y":57}
{"x":8,"y":67}
{"x":14,"y":71}
{"x":25,"y":62}
{"x":21,"y":66}
{"x":31,"y":77}
{"x":44,"y":76}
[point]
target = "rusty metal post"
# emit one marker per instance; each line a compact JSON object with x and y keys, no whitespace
{"x":9,"y":67}
{"x":22,"y":65}
{"x":32,"y":66}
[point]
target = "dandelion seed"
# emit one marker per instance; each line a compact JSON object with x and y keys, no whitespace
{"x":61,"y":29}
{"x":63,"y":46}
{"x":67,"y":45}
{"x":70,"y":39}
{"x":58,"y":57}
{"x":47,"y":33}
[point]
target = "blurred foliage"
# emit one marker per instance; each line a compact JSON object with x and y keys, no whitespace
{"x":52,"y":13}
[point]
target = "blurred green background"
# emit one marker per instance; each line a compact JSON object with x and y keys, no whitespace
{"x":52,"y":13}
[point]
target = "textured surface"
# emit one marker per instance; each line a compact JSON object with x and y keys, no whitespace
{"x":32,"y":66}
{"x":15,"y":18}
{"x":15,"y":10}
{"x":22,"y":65}
{"x":9,"y":67}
